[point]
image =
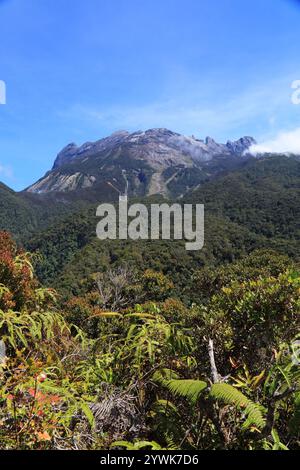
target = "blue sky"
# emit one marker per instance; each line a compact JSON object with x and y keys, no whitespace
{"x":79,"y":70}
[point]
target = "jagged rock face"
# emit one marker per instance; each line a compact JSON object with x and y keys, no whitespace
{"x":241,"y":145}
{"x":151,"y":162}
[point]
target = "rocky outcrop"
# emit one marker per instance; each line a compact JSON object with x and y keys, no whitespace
{"x":241,"y":146}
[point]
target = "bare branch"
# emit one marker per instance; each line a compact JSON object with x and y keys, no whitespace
{"x":214,"y":371}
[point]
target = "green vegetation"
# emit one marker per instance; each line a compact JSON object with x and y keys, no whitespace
{"x":252,"y":208}
{"x":126,"y":364}
{"x":107,"y":345}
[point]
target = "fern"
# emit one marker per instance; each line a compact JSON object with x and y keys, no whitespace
{"x":229,"y":394}
{"x":193,"y":389}
{"x":190,"y":389}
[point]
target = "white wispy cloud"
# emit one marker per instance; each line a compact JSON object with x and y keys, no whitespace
{"x":283,"y":142}
{"x":192,"y":112}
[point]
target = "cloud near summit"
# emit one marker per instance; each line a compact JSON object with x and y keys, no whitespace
{"x":283,"y":142}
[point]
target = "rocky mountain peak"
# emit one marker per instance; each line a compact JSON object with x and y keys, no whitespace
{"x":155,"y":161}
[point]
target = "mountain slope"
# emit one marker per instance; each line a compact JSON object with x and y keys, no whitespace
{"x":263,"y":196}
{"x":25,"y":214}
{"x":16,"y":214}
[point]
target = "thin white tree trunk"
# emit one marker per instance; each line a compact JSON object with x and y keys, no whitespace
{"x":214,"y":370}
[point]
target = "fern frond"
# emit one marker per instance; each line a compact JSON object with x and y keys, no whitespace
{"x":229,"y":394}
{"x":190,"y":389}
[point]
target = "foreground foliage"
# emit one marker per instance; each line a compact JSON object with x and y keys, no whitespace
{"x":127,"y":364}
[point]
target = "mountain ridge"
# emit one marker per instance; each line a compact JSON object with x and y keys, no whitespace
{"x":150,"y":160}
{"x":209,"y":145}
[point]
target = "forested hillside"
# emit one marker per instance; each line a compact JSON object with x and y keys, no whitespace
{"x":24,"y":214}
{"x":262,"y":196}
{"x":144,"y":345}
{"x":256,"y":207}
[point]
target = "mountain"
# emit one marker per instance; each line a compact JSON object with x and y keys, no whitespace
{"x":157,"y":161}
{"x":249,"y":203}
{"x":165,"y":163}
